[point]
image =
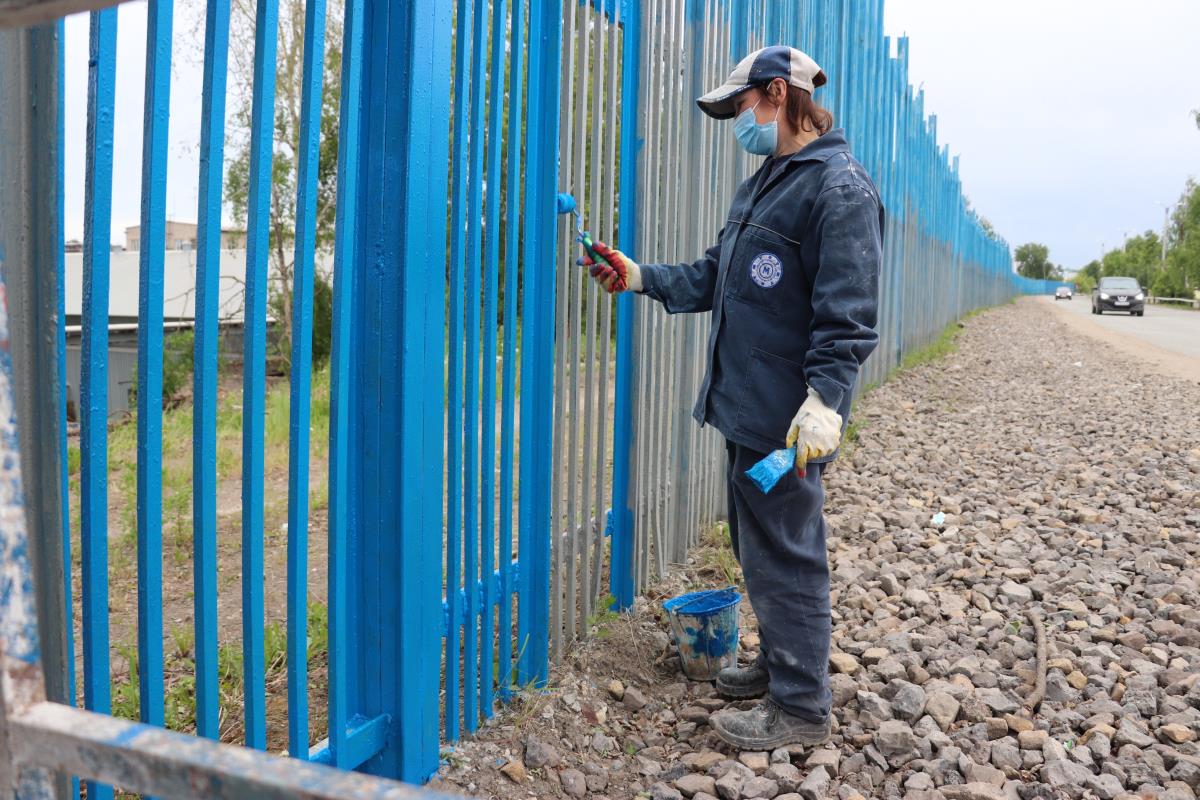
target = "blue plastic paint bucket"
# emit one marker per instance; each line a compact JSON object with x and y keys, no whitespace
{"x":705,"y":625}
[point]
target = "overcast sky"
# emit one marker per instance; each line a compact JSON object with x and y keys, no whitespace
{"x":1071,"y":116}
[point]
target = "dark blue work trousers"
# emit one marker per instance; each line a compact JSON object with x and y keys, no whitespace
{"x":779,"y":540}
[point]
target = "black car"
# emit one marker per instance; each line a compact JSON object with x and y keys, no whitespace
{"x":1119,"y":294}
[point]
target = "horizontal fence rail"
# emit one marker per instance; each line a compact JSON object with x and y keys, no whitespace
{"x":439,"y":459}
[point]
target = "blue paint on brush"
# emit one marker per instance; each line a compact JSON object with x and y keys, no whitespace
{"x":766,"y":473}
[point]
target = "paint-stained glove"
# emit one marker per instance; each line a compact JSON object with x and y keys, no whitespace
{"x":816,"y":431}
{"x":620,"y":274}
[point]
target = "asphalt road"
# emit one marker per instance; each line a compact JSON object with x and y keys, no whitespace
{"x":1173,"y":329}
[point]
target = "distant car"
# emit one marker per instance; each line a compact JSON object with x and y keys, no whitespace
{"x":1119,"y":294}
{"x":1061,"y":292}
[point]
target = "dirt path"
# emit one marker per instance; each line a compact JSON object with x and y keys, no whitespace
{"x":1009,"y":476}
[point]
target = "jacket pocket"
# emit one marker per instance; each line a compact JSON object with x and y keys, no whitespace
{"x":771,"y":394}
{"x":765,"y":269}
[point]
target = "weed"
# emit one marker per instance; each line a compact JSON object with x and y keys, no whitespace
{"x":318,"y":629}
{"x":72,"y":460}
{"x":184,"y":639}
{"x":716,"y":554}
{"x":125,"y":700}
{"x":275,"y":646}
{"x":179,"y":704}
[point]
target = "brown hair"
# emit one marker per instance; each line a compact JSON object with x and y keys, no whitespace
{"x":802,"y":111}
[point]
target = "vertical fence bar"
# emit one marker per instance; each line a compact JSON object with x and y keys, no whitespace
{"x":512,"y":201}
{"x":576,"y":290}
{"x":621,"y":574}
{"x":301,"y":377}
{"x":559,"y":525}
{"x":68,"y":616}
{"x":537,"y":353}
{"x":342,"y":637}
{"x":491,"y":288}
{"x":93,"y":385}
{"x":454,"y":392}
{"x":150,"y":345}
{"x":471,"y":432}
{"x":204,"y":369}
{"x":31,"y":368}
{"x":399,"y":378}
{"x":254,"y":392}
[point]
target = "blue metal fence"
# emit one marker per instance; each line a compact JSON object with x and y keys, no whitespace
{"x":471,"y":455}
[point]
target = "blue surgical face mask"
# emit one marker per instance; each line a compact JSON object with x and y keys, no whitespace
{"x":755,"y":137}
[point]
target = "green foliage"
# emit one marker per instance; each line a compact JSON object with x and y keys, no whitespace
{"x":1033,"y":261}
{"x":1141,"y":257}
{"x":285,"y":169}
{"x":1087,"y":278}
{"x":179,"y":348}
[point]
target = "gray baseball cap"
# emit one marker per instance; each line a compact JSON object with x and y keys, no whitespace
{"x":762,"y":66}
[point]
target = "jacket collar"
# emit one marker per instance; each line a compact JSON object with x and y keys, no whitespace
{"x":823,"y":147}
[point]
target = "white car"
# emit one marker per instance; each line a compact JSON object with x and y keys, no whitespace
{"x":1061,"y":292}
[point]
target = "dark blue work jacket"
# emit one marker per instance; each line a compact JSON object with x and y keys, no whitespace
{"x":793,"y":286}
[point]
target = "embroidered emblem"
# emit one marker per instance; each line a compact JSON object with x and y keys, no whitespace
{"x":766,"y":269}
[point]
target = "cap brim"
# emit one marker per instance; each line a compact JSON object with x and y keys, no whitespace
{"x":720,"y":102}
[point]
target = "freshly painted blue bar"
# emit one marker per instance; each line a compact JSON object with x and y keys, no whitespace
{"x":621,"y":573}
{"x":204,"y":368}
{"x":454,"y":415}
{"x":254,"y":391}
{"x":151,"y":255}
{"x":399,"y":377}
{"x":362,"y":740}
{"x":93,"y":384}
{"x":301,"y":378}
{"x":537,"y":351}
{"x":491,"y":287}
{"x":516,"y":109}
{"x":471,"y":498}
{"x":345,"y":243}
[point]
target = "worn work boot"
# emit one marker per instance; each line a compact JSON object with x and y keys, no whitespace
{"x":743,"y":682}
{"x":767,"y":726}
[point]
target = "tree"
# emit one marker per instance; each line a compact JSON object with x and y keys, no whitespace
{"x":289,"y":71}
{"x":1033,"y":261}
{"x":1086,"y":277}
{"x":1182,"y":274}
{"x":1140,"y":258}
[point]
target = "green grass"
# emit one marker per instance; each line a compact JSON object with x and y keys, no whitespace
{"x":603,"y":617}
{"x":716,"y":554}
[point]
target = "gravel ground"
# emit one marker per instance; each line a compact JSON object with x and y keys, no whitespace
{"x":1034,"y":473}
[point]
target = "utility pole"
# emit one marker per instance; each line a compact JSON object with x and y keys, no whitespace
{"x":1166,"y":216}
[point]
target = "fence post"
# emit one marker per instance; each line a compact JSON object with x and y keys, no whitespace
{"x":397,"y":351}
{"x":36,"y":630}
{"x":30,"y":276}
{"x":621,"y":573}
{"x":537,"y":345}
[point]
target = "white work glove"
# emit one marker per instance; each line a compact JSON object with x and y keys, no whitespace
{"x":620,"y":274}
{"x":816,"y":431}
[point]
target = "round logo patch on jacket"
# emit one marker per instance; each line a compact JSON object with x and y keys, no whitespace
{"x":766,"y":269}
